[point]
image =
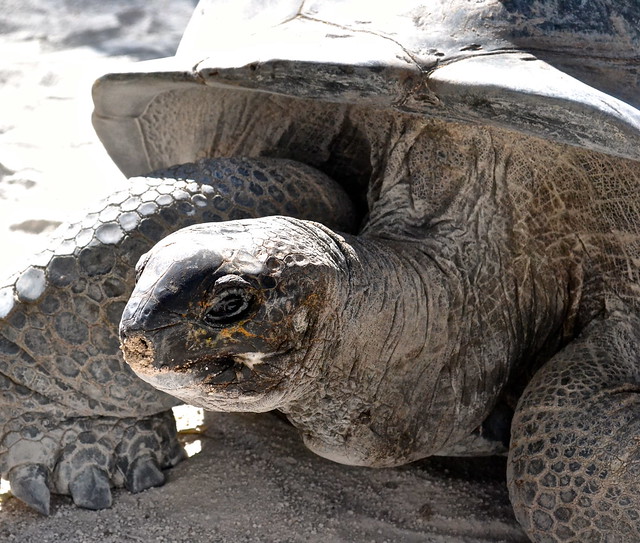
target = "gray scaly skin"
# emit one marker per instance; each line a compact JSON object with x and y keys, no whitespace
{"x":73,"y":418}
{"x":485,"y":257}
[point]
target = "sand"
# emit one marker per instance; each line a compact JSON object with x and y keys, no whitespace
{"x":253,"y":479}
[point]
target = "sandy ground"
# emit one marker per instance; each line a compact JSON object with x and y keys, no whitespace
{"x":253,"y":480}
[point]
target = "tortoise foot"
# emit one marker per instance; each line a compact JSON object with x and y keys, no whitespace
{"x":87,"y":456}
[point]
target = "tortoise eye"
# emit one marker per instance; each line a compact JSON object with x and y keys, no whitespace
{"x":230,"y":305}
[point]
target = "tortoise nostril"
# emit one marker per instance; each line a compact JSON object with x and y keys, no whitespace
{"x":138,"y":352}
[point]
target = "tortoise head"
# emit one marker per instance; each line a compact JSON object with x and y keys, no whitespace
{"x":223,"y":314}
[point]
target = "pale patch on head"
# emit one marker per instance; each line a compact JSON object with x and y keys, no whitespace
{"x":301,"y":321}
{"x":251,"y":359}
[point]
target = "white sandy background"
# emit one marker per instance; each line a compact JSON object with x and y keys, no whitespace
{"x":253,"y":480}
{"x":51,"y":162}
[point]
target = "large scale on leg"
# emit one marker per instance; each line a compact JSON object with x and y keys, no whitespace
{"x":495,"y":258}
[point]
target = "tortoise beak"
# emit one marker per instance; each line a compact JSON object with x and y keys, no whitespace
{"x":140,"y":353}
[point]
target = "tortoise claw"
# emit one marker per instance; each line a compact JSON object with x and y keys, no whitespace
{"x":91,"y":489}
{"x":29,"y":483}
{"x":143,"y":473}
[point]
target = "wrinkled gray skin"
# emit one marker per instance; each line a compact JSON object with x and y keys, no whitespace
{"x":494,"y":268}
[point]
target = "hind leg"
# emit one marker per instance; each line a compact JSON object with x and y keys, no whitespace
{"x":74,"y":419}
{"x":574,"y":463}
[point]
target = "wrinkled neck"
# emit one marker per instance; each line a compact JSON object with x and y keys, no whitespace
{"x":412,"y":356}
{"x":388,"y":377}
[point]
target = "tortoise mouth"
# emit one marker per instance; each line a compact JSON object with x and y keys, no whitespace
{"x":245,"y":373}
{"x":221,"y":370}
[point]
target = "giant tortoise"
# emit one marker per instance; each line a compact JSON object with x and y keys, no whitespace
{"x":411,"y":227}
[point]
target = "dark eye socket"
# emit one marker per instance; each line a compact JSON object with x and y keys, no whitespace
{"x":230,"y":305}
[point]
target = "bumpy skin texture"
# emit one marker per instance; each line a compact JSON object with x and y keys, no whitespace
{"x":74,"y":419}
{"x":485,"y":256}
{"x":574,"y":462}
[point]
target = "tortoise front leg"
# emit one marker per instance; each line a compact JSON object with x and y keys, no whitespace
{"x":574,"y":464}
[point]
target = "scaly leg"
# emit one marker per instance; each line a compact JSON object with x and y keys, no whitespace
{"x":574,"y":463}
